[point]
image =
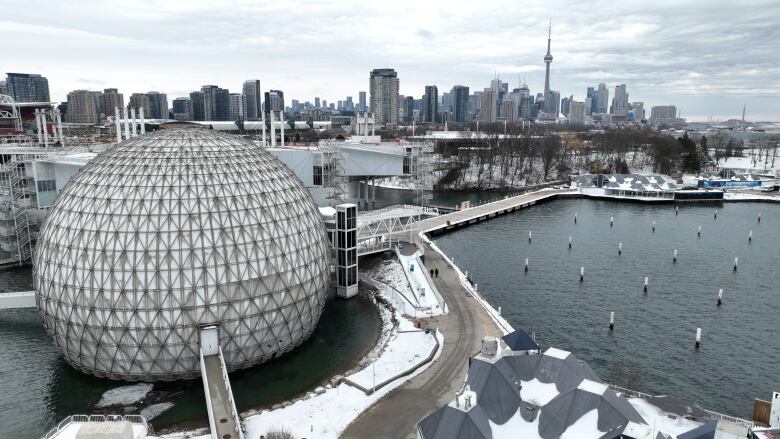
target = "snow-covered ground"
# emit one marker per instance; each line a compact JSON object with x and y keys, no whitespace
{"x":750,"y":196}
{"x":420,"y":284}
{"x":155,"y":410}
{"x":405,"y":351}
{"x":403,"y":183}
{"x":124,"y":395}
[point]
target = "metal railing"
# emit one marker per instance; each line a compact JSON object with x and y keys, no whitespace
{"x":81,"y":419}
{"x":233,"y":410}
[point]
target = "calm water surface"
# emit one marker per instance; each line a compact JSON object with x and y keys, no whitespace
{"x":740,"y":354}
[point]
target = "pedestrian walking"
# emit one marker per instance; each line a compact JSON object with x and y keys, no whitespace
{"x":431,"y":272}
{"x":436,"y":271}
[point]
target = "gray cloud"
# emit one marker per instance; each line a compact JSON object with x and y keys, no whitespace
{"x":708,"y":57}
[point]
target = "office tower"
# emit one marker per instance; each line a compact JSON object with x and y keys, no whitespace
{"x":362,"y":100}
{"x":619,"y":101}
{"x":603,"y":98}
{"x":408,"y":109}
{"x":383,"y":85}
{"x":527,"y":107}
{"x":274,"y":100}
{"x":82,"y":107}
{"x":431,"y":104}
{"x":507,"y":110}
{"x":663,"y":114}
{"x":137,"y":101}
{"x":253,"y":99}
{"x":548,"y":60}
{"x":236,"y":106}
{"x":198,"y":106}
{"x":324,"y":103}
{"x":181,"y":109}
{"x":111,"y":99}
{"x":460,"y":103}
{"x":317,"y":102}
{"x":475,"y":103}
{"x":487,"y":111}
{"x":577,"y":112}
{"x":552,"y":103}
{"x":591,"y":101}
{"x":339,"y":105}
{"x":27,"y":87}
{"x":639,"y":110}
{"x":566,"y":105}
{"x":216,"y":102}
{"x":158,"y":105}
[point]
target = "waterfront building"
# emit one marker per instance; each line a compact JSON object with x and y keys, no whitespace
{"x":198,"y":106}
{"x":487,"y":112}
{"x":383,"y":85}
{"x":431,"y":104}
{"x":253,"y":98}
{"x":158,"y":105}
{"x":110,"y":100}
{"x":137,"y":101}
{"x":236,"y":106}
{"x":274,"y":101}
{"x":211,"y":257}
{"x":27,"y":87}
{"x":662,"y":114}
{"x":460,"y":103}
{"x":181,"y":109}
{"x":82,"y":107}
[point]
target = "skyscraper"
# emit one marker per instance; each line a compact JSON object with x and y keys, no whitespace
{"x":663,"y":114}
{"x":577,"y":113}
{"x":362,"y":100}
{"x":274,"y":100}
{"x":253,"y":98}
{"x":639,"y":110}
{"x":431,"y":104}
{"x":487,"y":112}
{"x":181,"y":109}
{"x":27,"y":87}
{"x":460,"y":103}
{"x":552,"y":103}
{"x":137,"y":101}
{"x":111,"y":99}
{"x":316,"y":102}
{"x":158,"y":105}
{"x":603,"y":98}
{"x":620,"y":101}
{"x":236,"y":106}
{"x":547,"y":61}
{"x":566,"y":105}
{"x":408,"y":109}
{"x":82,"y":107}
{"x":216,"y":102}
{"x":383,"y":85}
{"x":197,"y":106}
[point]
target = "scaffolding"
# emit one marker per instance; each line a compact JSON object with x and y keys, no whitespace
{"x":16,"y":197}
{"x":334,"y":172}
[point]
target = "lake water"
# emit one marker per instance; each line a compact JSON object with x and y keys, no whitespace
{"x":739,"y":358}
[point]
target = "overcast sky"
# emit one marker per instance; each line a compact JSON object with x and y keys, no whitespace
{"x":707,"y":57}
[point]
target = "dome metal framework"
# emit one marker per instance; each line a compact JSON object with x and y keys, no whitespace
{"x":170,"y":231}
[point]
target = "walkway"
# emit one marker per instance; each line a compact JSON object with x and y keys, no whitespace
{"x":221,"y":404}
{"x":476,"y":214}
{"x":21,"y":299}
{"x":396,"y":415}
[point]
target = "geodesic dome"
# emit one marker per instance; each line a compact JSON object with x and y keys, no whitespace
{"x":173,"y":230}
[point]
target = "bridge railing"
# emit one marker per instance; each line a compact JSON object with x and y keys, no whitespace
{"x":81,"y":419}
{"x":233,"y":410}
{"x":209,"y":407}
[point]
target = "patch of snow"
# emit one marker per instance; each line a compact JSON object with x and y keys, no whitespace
{"x":661,"y":421}
{"x":585,"y":427}
{"x":537,"y":392}
{"x":405,"y":351}
{"x":593,"y":387}
{"x":423,"y":290}
{"x":124,"y":395}
{"x":557,"y":353}
{"x":516,"y":427}
{"x":155,"y":410}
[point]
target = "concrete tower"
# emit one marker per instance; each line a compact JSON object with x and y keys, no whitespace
{"x":547,"y":60}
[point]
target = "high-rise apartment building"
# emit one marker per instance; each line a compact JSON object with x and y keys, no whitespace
{"x":487,"y":111}
{"x":82,"y":107}
{"x":566,"y":105}
{"x":408,"y":109}
{"x":181,"y":109}
{"x":274,"y":100}
{"x":362,"y":100}
{"x":216,"y":103}
{"x":506,"y":110}
{"x":663,"y":114}
{"x":577,"y":112}
{"x":316,"y":102}
{"x":383,"y":85}
{"x":137,"y":101}
{"x":638,"y":108}
{"x":552,"y":103}
{"x":236,"y":106}
{"x":592,"y":101}
{"x":460,"y":103}
{"x":158,"y":105}
{"x":619,"y":107}
{"x":111,"y":99}
{"x":527,"y":107}
{"x":431,"y":104}
{"x":27,"y":87}
{"x":197,"y":106}
{"x":253,"y":99}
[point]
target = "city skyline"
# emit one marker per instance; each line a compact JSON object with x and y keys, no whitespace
{"x":708,"y":67}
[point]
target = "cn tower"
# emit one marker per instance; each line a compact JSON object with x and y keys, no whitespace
{"x":547,"y":60}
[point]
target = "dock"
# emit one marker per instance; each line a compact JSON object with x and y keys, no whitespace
{"x":472,"y":215}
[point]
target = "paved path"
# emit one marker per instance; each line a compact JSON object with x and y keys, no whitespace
{"x":396,"y":415}
{"x":220,"y":402}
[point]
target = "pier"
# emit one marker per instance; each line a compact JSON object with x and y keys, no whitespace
{"x":472,"y":215}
